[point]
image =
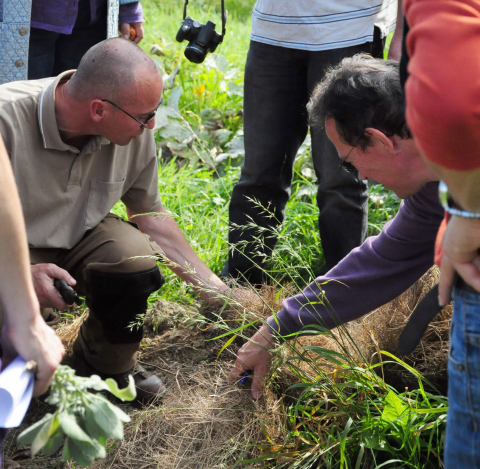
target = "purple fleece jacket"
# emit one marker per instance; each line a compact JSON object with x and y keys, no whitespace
{"x":373,"y":274}
{"x":59,"y":15}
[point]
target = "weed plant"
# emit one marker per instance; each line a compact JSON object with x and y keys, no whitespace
{"x":341,"y":413}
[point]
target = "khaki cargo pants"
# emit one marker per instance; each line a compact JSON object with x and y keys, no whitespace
{"x":115,"y":247}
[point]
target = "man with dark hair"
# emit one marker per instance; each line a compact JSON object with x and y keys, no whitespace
{"x":346,"y":94}
{"x":350,"y":103}
{"x":78,"y":143}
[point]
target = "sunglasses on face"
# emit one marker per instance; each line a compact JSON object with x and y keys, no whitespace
{"x":147,"y":119}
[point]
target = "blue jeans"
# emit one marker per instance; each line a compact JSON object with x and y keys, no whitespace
{"x":462,"y":446}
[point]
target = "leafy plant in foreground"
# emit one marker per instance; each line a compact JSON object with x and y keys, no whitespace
{"x":83,"y":420}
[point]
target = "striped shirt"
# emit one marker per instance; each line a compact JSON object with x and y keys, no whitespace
{"x":321,"y":24}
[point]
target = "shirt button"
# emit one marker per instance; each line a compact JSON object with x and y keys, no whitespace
{"x":19,"y":63}
{"x":22,"y":31}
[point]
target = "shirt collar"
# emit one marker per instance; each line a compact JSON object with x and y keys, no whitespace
{"x":48,"y":121}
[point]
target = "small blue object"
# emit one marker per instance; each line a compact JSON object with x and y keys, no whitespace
{"x":245,"y":376}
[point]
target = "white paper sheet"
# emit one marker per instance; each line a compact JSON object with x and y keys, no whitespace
{"x":16,"y":388}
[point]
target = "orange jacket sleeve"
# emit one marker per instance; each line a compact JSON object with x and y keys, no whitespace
{"x":443,"y":90}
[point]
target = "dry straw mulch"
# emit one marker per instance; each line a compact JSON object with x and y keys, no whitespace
{"x":204,"y":422}
{"x":380,"y":330}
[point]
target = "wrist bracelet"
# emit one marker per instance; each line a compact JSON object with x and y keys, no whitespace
{"x":447,"y":202}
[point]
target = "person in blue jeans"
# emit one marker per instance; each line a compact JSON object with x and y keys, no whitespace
{"x":442,"y":113}
{"x":292,"y":45}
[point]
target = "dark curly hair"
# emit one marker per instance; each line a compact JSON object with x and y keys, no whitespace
{"x":360,"y":92}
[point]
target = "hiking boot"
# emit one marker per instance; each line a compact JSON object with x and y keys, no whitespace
{"x":147,"y":385}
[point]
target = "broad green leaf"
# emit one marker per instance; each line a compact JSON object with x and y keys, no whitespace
{"x":54,"y":443}
{"x":106,"y":419}
{"x":120,"y":413}
{"x":91,"y":426}
{"x":174,"y":97}
{"x":72,"y":429}
{"x":218,"y":62}
{"x":395,"y":410}
{"x":66,"y":450}
{"x":96,"y":383}
{"x":82,"y":452}
{"x":126,"y":394}
{"x":29,"y":434}
{"x":42,"y":437}
{"x":375,"y":439}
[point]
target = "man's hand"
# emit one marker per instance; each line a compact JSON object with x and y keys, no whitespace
{"x":125,"y":31}
{"x":33,"y":340}
{"x":48,"y":296}
{"x":461,"y":244}
{"x":256,"y":358}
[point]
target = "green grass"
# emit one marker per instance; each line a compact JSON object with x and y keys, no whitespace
{"x":350,"y":419}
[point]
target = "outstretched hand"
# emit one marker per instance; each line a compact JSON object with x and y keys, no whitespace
{"x":255,"y":356}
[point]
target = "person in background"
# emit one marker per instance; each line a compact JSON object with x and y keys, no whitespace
{"x":24,"y":331}
{"x":61,"y":32}
{"x":292,"y":45}
{"x":42,"y":38}
{"x":443,"y":103}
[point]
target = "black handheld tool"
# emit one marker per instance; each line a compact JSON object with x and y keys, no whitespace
{"x":68,"y":295}
{"x":425,"y":311}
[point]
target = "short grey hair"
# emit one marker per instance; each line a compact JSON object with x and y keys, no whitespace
{"x":108,"y":69}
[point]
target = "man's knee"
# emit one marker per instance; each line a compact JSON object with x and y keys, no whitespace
{"x":122,"y":248}
{"x":118,"y":300}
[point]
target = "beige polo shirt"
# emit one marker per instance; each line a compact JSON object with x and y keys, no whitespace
{"x":66,"y":192}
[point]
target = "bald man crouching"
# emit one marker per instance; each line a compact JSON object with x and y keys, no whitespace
{"x":78,"y":143}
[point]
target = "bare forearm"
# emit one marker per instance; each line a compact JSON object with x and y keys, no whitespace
{"x":400,"y":15}
{"x":184,"y":262}
{"x":16,"y":287}
{"x":395,"y":50}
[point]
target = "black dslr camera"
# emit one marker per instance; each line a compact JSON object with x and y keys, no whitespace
{"x":202,"y":38}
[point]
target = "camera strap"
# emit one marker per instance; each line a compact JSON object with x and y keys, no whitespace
{"x":224,"y":16}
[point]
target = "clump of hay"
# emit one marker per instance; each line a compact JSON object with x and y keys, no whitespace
{"x":203,"y":422}
{"x":380,"y":330}
{"x":245,"y":305}
{"x":68,"y":332}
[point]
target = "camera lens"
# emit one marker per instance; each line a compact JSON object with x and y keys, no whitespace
{"x":195,"y":53}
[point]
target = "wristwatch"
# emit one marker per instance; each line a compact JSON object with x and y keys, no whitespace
{"x":449,"y":204}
